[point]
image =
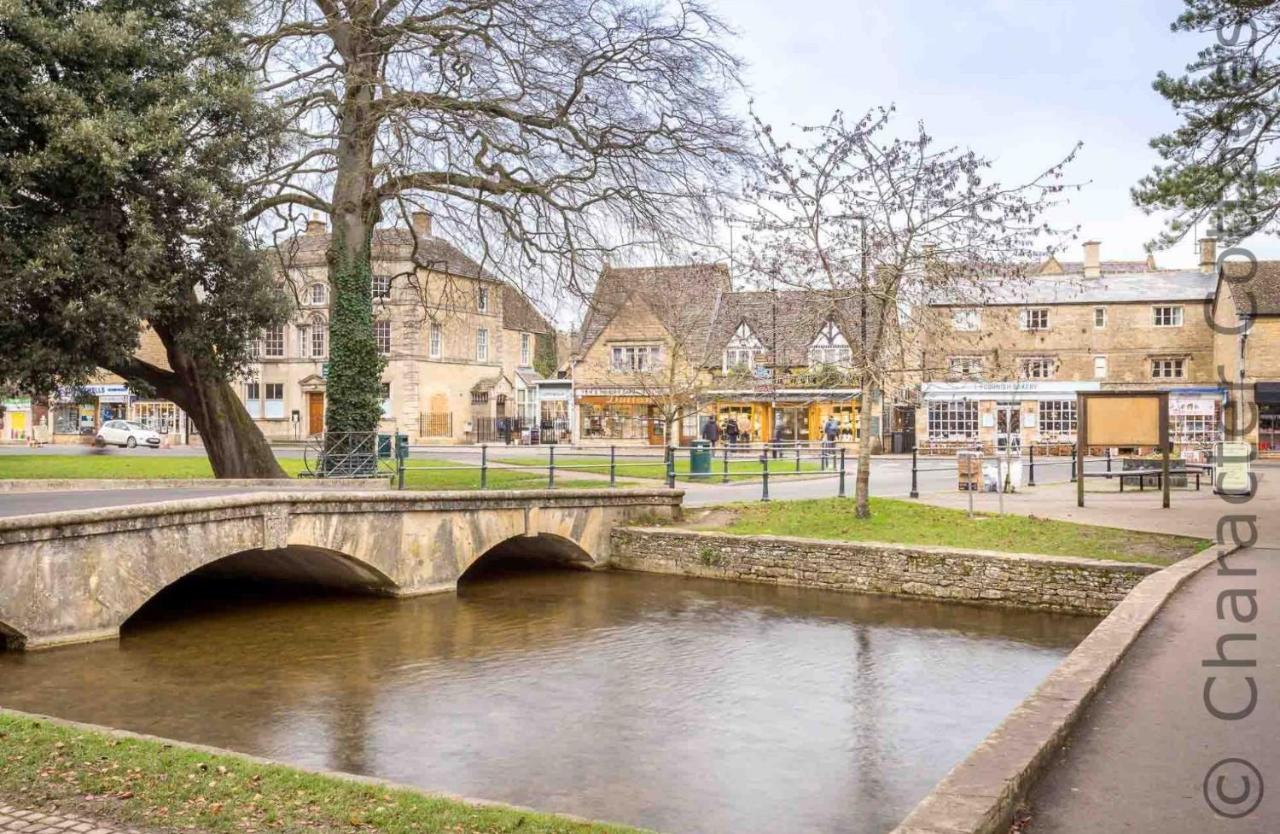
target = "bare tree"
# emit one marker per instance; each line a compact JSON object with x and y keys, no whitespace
{"x":879,"y":225}
{"x":542,"y":132}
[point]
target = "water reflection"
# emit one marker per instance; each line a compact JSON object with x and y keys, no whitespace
{"x":676,"y":704}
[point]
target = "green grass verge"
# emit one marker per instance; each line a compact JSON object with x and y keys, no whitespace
{"x":426,"y":474}
{"x":163,"y":786}
{"x":739,"y":470}
{"x":904,"y":522}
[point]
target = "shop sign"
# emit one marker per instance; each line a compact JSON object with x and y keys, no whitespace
{"x":1197,"y":407}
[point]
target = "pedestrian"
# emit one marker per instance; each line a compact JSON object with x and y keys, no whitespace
{"x":830,"y":431}
{"x":731,"y":431}
{"x":711,"y":431}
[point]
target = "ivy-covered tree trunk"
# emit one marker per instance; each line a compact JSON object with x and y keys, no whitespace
{"x":354,"y":386}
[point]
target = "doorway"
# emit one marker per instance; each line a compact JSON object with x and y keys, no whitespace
{"x":655,"y":426}
{"x":315,"y":412}
{"x":1008,"y":427}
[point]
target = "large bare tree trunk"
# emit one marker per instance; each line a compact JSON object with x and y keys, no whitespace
{"x":862,"y":484}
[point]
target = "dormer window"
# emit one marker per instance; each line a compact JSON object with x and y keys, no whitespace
{"x":830,"y":347}
{"x":744,"y":350}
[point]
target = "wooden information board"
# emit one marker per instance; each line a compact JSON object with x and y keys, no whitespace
{"x":1122,"y":418}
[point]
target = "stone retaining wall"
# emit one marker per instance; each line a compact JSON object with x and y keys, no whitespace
{"x":1048,"y":583}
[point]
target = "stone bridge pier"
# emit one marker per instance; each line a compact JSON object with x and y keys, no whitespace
{"x":77,"y":576}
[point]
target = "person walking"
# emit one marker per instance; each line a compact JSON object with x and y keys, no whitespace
{"x":830,"y":431}
{"x":711,"y":431}
{"x":731,"y":431}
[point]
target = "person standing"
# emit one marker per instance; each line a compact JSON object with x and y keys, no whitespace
{"x":711,"y":431}
{"x":731,"y":431}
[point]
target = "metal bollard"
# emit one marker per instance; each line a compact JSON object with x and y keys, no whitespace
{"x":842,"y":489}
{"x":725,"y":478}
{"x":484,"y":466}
{"x":551,"y":468}
{"x":915,"y":487}
{"x":764,"y":462}
{"x":1108,"y":460}
{"x":1075,"y":451}
{"x":613,"y":466}
{"x":402,"y":452}
{"x":671,"y":468}
{"x":797,"y":455}
{"x":1031,"y":465}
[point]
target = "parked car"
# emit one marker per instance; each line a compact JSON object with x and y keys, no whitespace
{"x":125,"y":433}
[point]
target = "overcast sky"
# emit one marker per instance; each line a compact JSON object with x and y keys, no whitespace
{"x":1019,"y":81}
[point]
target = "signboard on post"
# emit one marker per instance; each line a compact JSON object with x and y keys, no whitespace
{"x":1231,"y":468}
{"x":1122,"y":418}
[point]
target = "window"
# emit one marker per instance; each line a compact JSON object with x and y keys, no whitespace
{"x":1099,"y":367}
{"x":635,"y":357}
{"x":274,"y":404}
{"x":1037,"y":367}
{"x":830,"y":347}
{"x":433,"y":343}
{"x":319,"y":338}
{"x":1167,"y":316}
{"x":526,"y":349}
{"x":953,"y":420}
{"x":253,"y":400}
{"x":386,"y":400}
{"x":319,"y":294}
{"x":1168,"y":368}
{"x":1058,"y":419}
{"x":526,"y":405}
{"x":964,"y":367}
{"x":743,"y":349}
{"x":304,"y":340}
{"x":382,"y":335}
{"x":1035,"y":318}
{"x":380,"y":286}
{"x":482,"y":345}
{"x":482,"y":299}
{"x":1099,"y":317}
{"x":966,"y":319}
{"x":273,"y":342}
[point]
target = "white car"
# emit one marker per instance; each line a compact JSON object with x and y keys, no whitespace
{"x":127,"y":434}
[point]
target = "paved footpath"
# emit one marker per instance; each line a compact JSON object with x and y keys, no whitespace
{"x":19,"y":821}
{"x":1142,"y":758}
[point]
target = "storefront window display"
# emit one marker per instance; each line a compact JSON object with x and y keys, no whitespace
{"x":616,"y":421}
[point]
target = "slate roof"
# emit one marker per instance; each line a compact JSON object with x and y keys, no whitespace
{"x":1164,"y":285}
{"x":684,"y":296}
{"x":518,"y":312}
{"x":697,"y":300}
{"x":1259,"y":293}
{"x":389,"y":244}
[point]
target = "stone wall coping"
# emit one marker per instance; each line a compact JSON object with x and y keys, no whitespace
{"x":95,"y":484}
{"x":333,"y":501}
{"x":936,"y":550}
{"x":980,"y":794}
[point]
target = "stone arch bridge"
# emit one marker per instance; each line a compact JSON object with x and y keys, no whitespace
{"x":73,"y":577}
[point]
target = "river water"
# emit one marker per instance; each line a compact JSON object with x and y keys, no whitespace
{"x":675,"y":704}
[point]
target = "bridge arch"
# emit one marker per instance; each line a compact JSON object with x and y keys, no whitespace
{"x":320,"y":567}
{"x":10,"y":638}
{"x":547,"y":548}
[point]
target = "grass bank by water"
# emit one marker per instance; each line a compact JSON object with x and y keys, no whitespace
{"x":428,"y":474}
{"x":905,"y":522}
{"x":154,"y":785}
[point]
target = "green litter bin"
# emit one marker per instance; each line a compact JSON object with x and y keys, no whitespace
{"x":700,"y":459}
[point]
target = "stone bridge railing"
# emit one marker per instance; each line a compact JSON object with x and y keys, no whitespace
{"x":77,"y":576}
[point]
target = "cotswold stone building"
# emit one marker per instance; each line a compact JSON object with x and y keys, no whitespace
{"x":776,"y":363}
{"x":1246,"y":315}
{"x":1004,"y":362}
{"x":459,"y":343}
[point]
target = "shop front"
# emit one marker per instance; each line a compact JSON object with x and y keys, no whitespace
{"x":555,"y":410}
{"x":16,"y":423}
{"x":78,"y":413}
{"x":788,"y":416}
{"x":1266,"y":397}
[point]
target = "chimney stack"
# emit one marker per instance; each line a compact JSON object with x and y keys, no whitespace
{"x":316,"y":225}
{"x":1092,"y":259}
{"x":421,"y":223}
{"x":1208,"y":255}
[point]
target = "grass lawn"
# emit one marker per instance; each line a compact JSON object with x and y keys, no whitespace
{"x":904,"y":522}
{"x":739,"y":470}
{"x":160,"y":786}
{"x":132,"y":466}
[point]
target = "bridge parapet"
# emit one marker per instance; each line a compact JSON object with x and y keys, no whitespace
{"x":76,"y":576}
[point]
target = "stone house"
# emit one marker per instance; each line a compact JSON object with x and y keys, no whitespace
{"x":459,"y":343}
{"x":1003,"y":361}
{"x":679,"y":340}
{"x":1246,"y":316}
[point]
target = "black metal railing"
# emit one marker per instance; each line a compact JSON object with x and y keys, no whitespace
{"x":347,"y":455}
